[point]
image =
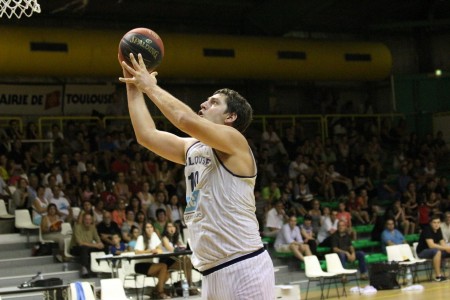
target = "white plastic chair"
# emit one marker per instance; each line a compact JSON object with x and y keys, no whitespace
{"x":87,"y":291}
{"x":3,"y":212}
{"x":334,"y":265}
{"x":406,"y":251}
{"x":66,"y":228}
{"x":428,"y":262}
{"x":99,"y":267}
{"x":23,"y":221}
{"x":394,"y":254}
{"x":112,"y":289}
{"x":314,"y":272}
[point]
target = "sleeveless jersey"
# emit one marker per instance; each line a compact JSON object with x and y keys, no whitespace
{"x":220,"y":211}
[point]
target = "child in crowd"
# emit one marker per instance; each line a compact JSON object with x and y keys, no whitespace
{"x":118,"y":247}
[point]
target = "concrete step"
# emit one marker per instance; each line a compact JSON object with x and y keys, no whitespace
{"x":25,"y":261}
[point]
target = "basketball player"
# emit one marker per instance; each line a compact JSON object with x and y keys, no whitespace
{"x":220,"y":177}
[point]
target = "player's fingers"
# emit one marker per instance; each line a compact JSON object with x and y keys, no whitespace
{"x":128,"y":68}
{"x":126,"y":80}
{"x":154,"y":73}
{"x":141,"y":61}
{"x":133,"y":61}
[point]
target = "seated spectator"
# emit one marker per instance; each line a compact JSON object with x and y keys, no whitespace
{"x":397,"y":213}
{"x":85,"y":240}
{"x":117,"y":247}
{"x":134,"y":204}
{"x":177,"y":212}
{"x":160,"y":203}
{"x":275,"y":219}
{"x":432,"y":246}
{"x":271,"y":193}
{"x":149,"y":243}
{"x":106,"y":228}
{"x":140,"y":219}
{"x":126,"y":226}
{"x":39,"y":206}
{"x":445,"y":228}
{"x":86,"y":208}
{"x":328,"y":228}
{"x":119,"y":214}
{"x":344,"y":215}
{"x":51,"y":227}
{"x":316,"y":215}
{"x":171,"y":239}
{"x":308,"y":235}
{"x":5,"y":193}
{"x":62,"y":204}
{"x":20,"y":196}
{"x":391,"y":236}
{"x":341,"y":243}
{"x":341,"y":184}
{"x":134,"y":234}
{"x":145,"y":196}
{"x":355,"y":209}
{"x":161,"y":221}
{"x":120,"y":188}
{"x":289,"y":239}
{"x":98,"y":210}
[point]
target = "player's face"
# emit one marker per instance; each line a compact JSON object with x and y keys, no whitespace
{"x":214,"y":109}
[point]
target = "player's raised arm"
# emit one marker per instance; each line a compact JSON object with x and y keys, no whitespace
{"x":162,"y":143}
{"x":210,"y":125}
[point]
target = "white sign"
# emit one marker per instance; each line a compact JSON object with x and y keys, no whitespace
{"x":30,"y":99}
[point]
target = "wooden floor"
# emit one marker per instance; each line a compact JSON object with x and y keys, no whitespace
{"x":431,"y":291}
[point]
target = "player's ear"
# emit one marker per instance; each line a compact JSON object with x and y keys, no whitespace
{"x":231,"y":117}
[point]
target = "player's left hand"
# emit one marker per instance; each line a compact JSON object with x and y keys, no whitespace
{"x":138,"y":74}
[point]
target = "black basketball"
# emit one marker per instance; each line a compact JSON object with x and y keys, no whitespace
{"x":144,"y":41}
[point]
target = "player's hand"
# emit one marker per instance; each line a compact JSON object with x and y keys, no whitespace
{"x":138,"y":74}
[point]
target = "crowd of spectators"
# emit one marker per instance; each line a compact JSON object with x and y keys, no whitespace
{"x":106,"y":174}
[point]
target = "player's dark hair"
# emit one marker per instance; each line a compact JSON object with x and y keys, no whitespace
{"x":240,"y":106}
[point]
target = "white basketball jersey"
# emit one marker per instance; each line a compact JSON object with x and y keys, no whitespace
{"x":220,"y":211}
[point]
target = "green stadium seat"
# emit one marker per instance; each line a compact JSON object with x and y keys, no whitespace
{"x":412,"y":238}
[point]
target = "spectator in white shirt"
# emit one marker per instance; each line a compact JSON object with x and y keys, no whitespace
{"x":275,"y":219}
{"x":329,"y":226}
{"x":61,"y":203}
{"x":289,"y":239}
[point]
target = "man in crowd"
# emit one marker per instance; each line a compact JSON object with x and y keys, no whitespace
{"x":341,"y":243}
{"x":289,"y":239}
{"x":391,"y":236}
{"x":432,"y":246}
{"x":85,"y":240}
{"x":107,"y":228}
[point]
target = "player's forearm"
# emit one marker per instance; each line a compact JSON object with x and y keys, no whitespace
{"x":140,"y":116}
{"x":173,"y":109}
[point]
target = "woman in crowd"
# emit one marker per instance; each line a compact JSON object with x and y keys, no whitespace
{"x":134,"y":234}
{"x":51,"y":226}
{"x":98,"y":210}
{"x":145,"y":196}
{"x":176,"y":212}
{"x":39,"y":205}
{"x":170,"y":241}
{"x":150,"y":243}
{"x":86,"y":207}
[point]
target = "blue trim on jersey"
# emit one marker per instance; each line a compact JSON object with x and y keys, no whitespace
{"x":223,"y":165}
